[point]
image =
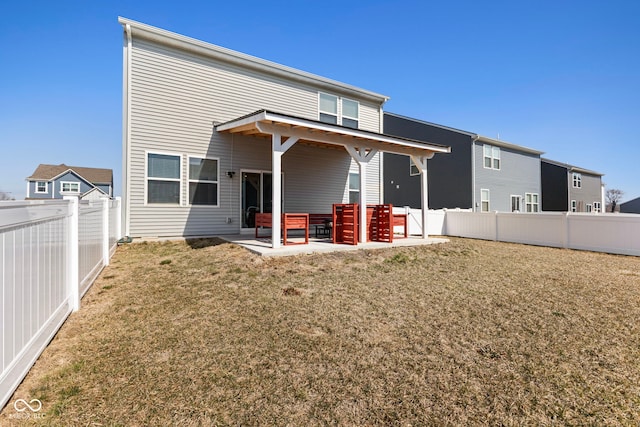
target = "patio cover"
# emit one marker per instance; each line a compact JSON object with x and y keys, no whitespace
{"x":286,"y":130}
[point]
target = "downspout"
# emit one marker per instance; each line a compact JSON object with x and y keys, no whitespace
{"x":126,"y":129}
{"x":473,"y":172}
{"x":569,"y":184}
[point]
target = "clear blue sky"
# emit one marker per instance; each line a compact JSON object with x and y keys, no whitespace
{"x":559,"y":76}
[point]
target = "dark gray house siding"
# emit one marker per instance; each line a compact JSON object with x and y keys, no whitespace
{"x":555,"y":187}
{"x":632,"y":206}
{"x":449,"y":177}
{"x":559,"y":191}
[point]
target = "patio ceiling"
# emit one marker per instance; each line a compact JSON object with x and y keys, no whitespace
{"x":265,"y":123}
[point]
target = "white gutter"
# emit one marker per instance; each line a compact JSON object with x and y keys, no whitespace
{"x":126,"y":129}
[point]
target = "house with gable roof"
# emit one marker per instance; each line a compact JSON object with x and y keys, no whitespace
{"x":483,"y":174}
{"x":56,"y":181}
{"x":569,"y":188}
{"x":212,"y":136}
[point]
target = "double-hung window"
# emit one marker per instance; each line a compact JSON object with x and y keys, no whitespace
{"x":350,"y":113}
{"x":577,"y":180}
{"x":484,"y":200}
{"x":203,"y":181}
{"x":338,"y":111}
{"x":597,"y":207}
{"x":328,"y":108}
{"x":163,"y":178}
{"x":354,"y":188}
{"x":41,"y":187}
{"x":491,"y":157}
{"x":531,"y":201}
{"x":69,"y":187}
{"x":574,"y":206}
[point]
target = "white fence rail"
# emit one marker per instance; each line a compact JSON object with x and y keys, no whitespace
{"x":611,"y":233}
{"x":602,"y":232}
{"x":50,"y":254}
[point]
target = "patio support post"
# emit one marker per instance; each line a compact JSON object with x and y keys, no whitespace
{"x":278,"y":149}
{"x":362,"y":157}
{"x":421,"y":163}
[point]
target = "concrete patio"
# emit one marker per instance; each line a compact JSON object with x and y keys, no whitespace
{"x":262,"y":246}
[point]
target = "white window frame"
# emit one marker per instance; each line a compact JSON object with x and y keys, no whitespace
{"x":328,"y":113}
{"x":339,"y":115}
{"x":597,"y":207}
{"x":519,"y":203}
{"x":71,"y":183}
{"x":577,"y":180}
{"x":530,"y":205}
{"x":147,"y":178}
{"x":484,"y":191}
{"x":574,"y":206}
{"x":189,"y":181}
{"x":413,"y":168}
{"x":354,"y":190}
{"x":589,"y":208}
{"x":46,"y":187}
{"x":344,"y":116}
{"x":493,"y":156}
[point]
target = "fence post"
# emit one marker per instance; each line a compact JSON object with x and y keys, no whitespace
{"x":495,"y":235}
{"x":73,"y":263}
{"x":119,"y":218}
{"x":105,"y":231}
{"x":565,"y":224}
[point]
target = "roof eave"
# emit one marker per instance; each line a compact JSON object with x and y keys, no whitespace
{"x":509,"y":145}
{"x":264,"y":115}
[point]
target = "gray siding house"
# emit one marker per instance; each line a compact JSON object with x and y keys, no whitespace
{"x":211,"y":136}
{"x":568,"y":188}
{"x":56,"y":181}
{"x":481,"y":173}
{"x":632,"y":206}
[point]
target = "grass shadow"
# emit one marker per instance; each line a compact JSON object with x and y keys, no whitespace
{"x":206,"y":242}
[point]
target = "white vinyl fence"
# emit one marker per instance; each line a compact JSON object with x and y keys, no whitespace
{"x":601,"y":232}
{"x":50,"y":254}
{"x":611,"y":233}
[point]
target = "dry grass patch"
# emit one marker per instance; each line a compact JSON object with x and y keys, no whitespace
{"x":465,"y":333}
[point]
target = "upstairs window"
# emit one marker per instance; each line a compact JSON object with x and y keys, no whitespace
{"x":491,"y":157}
{"x":577,"y":180}
{"x":163,"y":178}
{"x":41,"y":187}
{"x":350,"y":113}
{"x":69,"y":187}
{"x":328,"y":108}
{"x":339,"y":111}
{"x":203,"y":181}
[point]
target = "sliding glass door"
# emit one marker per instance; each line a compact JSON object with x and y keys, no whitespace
{"x":257,"y":196}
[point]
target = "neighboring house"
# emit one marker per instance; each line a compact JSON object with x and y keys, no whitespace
{"x":211,"y":136}
{"x":568,"y":188}
{"x":56,"y":181}
{"x":632,"y":206}
{"x":481,"y":173}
